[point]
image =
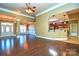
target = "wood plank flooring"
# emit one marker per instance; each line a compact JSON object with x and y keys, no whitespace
{"x":29,"y":45}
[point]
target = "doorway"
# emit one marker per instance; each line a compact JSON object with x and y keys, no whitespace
{"x":73,"y":28}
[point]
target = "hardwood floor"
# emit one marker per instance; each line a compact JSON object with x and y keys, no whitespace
{"x":74,"y":40}
{"x":29,"y":45}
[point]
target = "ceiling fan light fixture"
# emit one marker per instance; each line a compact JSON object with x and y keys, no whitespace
{"x":30,"y":9}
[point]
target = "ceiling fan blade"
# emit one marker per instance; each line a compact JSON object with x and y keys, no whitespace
{"x":34,"y":7}
{"x":27,"y":7}
{"x":27,"y":4}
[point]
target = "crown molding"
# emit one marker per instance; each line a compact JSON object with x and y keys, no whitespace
{"x":10,"y":11}
{"x":52,"y":8}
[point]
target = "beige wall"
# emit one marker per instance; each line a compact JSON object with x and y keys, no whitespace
{"x":42,"y":23}
{"x":42,"y":29}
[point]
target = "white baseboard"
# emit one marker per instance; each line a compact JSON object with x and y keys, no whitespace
{"x":7,"y":35}
{"x":60,"y":39}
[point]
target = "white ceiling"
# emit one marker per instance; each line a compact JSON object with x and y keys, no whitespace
{"x":40,"y":7}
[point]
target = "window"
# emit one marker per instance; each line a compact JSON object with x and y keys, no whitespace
{"x":11,"y":28}
{"x":32,"y":30}
{"x":22,"y":29}
{"x":7,"y":29}
{"x":2,"y":28}
{"x":73,"y":28}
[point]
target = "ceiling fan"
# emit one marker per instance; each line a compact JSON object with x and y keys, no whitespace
{"x":29,"y":8}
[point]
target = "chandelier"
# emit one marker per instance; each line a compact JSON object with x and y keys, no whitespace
{"x":29,"y":8}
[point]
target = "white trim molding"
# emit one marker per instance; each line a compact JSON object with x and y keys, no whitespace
{"x":52,"y":8}
{"x":10,"y":11}
{"x":40,"y":13}
{"x":59,"y":39}
{"x":8,"y":35}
